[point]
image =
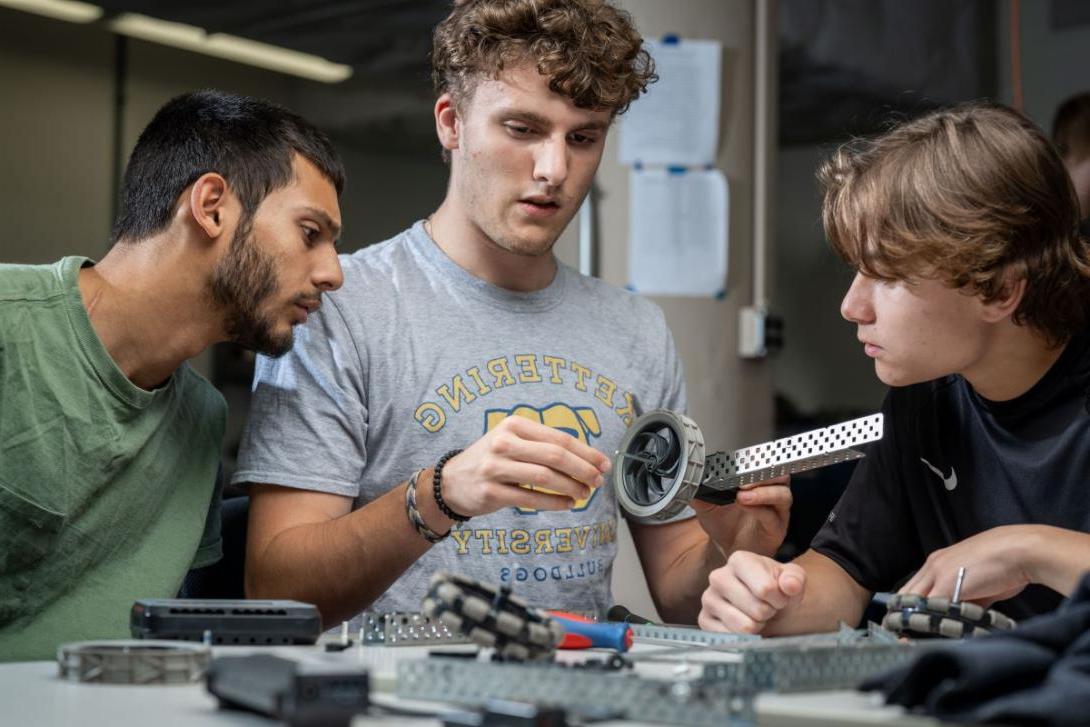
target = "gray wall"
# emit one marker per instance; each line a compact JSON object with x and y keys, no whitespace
{"x":821,"y":366}
{"x":1055,"y":62}
{"x":55,"y":130}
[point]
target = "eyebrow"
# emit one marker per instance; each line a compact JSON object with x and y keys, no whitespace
{"x":539,"y":120}
{"x":323,"y":217}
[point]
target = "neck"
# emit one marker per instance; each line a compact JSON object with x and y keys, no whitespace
{"x":1017,"y":359}
{"x":149,"y":305}
{"x":473,"y":251}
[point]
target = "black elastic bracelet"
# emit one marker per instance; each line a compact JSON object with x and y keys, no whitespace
{"x":437,"y":487}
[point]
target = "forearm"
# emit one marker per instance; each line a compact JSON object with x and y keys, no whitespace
{"x":1056,"y":557}
{"x":830,"y":596}
{"x":676,"y":590}
{"x":343,"y":565}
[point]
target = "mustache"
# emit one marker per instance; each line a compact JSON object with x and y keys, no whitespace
{"x":305,"y":299}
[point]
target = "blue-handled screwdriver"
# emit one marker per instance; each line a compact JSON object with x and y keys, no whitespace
{"x":582,"y":633}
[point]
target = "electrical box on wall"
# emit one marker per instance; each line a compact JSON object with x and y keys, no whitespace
{"x":759,"y":332}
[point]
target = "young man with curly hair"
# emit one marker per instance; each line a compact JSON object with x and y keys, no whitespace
{"x":971,"y":294}
{"x":464,"y":334}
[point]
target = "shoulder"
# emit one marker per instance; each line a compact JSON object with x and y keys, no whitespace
{"x":617,"y":306}
{"x":380,"y":264}
{"x":34,"y":282}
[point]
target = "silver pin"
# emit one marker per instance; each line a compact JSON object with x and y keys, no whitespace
{"x":344,"y":633}
{"x":957,"y":585}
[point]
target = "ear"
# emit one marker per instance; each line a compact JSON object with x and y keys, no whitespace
{"x":447,"y":123}
{"x":1010,"y":297}
{"x":208,"y":200}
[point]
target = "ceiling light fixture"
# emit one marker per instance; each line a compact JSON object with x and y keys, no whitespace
{"x":229,"y":47}
{"x":70,"y":10}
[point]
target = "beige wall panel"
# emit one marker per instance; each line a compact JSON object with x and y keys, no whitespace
{"x":56,"y":86}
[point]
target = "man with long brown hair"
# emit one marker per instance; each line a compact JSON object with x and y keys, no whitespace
{"x":971,"y":294}
{"x":465,"y":332}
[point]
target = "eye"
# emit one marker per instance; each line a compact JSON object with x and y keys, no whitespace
{"x":518,"y":130}
{"x":583,"y":139}
{"x":311,"y":234}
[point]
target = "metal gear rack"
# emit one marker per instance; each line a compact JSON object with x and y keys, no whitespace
{"x":661,"y":465}
{"x":597,"y":695}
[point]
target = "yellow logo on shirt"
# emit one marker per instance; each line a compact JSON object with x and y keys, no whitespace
{"x":580,"y":422}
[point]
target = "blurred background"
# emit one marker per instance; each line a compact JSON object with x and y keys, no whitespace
{"x":78,"y":82}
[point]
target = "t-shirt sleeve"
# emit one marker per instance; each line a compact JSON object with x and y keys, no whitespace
{"x":211,"y":548}
{"x":308,"y":413}
{"x":870,"y":532}
{"x":673,"y":397}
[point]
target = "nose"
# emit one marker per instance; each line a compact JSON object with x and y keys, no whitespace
{"x":856,"y":306}
{"x":551,"y":162}
{"x":327,"y":273}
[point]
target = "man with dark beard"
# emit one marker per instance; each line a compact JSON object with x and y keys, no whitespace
{"x":109,"y":442}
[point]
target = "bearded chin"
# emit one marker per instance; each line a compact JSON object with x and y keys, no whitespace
{"x":241,"y":284}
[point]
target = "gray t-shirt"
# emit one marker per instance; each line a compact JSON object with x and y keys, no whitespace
{"x":414,"y":356}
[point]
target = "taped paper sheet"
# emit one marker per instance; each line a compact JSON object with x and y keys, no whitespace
{"x":677,"y":224}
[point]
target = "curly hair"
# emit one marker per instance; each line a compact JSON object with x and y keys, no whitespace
{"x":974,"y":196}
{"x":588,"y":49}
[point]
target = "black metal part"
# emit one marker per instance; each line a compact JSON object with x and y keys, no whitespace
{"x":714,"y":487}
{"x":500,"y":713}
{"x":226,"y":621}
{"x":288,"y":690}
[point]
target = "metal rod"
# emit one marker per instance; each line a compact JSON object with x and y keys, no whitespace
{"x":958,"y":584}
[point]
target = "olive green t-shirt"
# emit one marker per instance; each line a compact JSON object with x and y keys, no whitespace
{"x":107,"y":491}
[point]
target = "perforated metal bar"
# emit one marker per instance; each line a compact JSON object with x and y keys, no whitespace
{"x":621,"y":695}
{"x":406,"y":628}
{"x":680,"y":636}
{"x":799,"y":453}
{"x":802,"y":668}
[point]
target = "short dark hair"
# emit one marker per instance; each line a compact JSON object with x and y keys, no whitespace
{"x":1071,"y":127}
{"x":964,"y":195}
{"x":249,"y":141}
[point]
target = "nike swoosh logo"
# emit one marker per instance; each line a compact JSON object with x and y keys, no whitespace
{"x":948,"y":482}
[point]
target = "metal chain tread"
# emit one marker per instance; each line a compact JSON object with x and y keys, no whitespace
{"x":492,"y":617}
{"x":909,"y":613}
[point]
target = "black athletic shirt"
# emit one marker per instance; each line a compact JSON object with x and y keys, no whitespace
{"x":952,"y":464}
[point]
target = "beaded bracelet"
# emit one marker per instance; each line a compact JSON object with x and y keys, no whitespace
{"x":437,"y":488}
{"x":414,"y":514}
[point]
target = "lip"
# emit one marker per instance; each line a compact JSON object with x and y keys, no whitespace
{"x":871,"y":349}
{"x":304,"y":309}
{"x":539,"y":206}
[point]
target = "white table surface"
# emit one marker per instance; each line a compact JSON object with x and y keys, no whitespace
{"x":32,"y":694}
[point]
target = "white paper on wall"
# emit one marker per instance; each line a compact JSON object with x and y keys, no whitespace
{"x":677,"y":120}
{"x":678,"y":223}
